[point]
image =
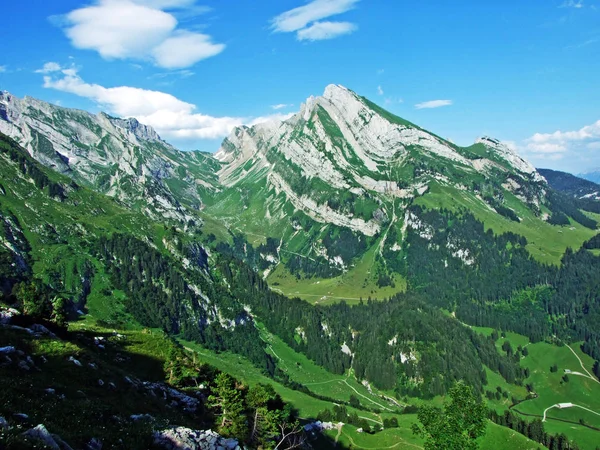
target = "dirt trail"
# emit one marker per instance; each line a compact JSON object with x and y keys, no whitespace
{"x":344,"y":380}
{"x":589,"y":375}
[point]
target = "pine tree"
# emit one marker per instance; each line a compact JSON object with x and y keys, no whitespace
{"x":457,"y":425}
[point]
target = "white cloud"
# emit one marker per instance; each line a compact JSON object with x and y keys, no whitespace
{"x":433,"y":104}
{"x":184,"y":49}
{"x":138,"y":29}
{"x":380,"y":71}
{"x":306,"y":20}
{"x":171,"y":117}
{"x":2,"y":69}
{"x":379,"y":90}
{"x":546,"y":147}
{"x":585,"y":133}
{"x":165,"y":4}
{"x":320,"y":31}
{"x":280,"y":106}
{"x":49,"y":67}
{"x":562,"y":142}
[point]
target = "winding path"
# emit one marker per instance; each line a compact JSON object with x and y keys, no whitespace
{"x":589,"y":375}
{"x":565,"y":406}
{"x":344,"y":380}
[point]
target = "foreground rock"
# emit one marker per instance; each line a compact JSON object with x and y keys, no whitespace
{"x":181,"y":438}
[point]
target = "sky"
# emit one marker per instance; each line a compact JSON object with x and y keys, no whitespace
{"x":525,"y":72}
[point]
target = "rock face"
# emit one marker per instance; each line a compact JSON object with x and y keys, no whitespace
{"x":181,"y":438}
{"x":345,"y":162}
{"x":119,"y":157}
{"x":353,"y":147}
{"x":41,"y":434}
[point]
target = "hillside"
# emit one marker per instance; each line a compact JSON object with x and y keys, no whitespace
{"x":118,"y":157}
{"x":333,"y":188}
{"x":593,"y":176}
{"x":425,"y":238}
{"x":570,"y":184}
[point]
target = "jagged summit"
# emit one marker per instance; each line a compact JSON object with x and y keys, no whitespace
{"x":510,"y":155}
{"x":119,"y":157}
{"x":342,"y":146}
{"x":342,"y":129}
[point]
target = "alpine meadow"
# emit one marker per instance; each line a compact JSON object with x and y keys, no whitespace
{"x":326,"y":274}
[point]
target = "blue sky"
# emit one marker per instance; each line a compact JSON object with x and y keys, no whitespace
{"x":524,"y":72}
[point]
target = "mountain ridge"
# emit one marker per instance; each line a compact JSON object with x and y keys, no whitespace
{"x":119,"y":157}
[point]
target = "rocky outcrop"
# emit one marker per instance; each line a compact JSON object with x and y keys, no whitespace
{"x":48,"y":440}
{"x":119,"y":157}
{"x":181,"y":438}
{"x":342,"y":145}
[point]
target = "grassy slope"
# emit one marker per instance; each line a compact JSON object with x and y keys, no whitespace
{"x":359,"y":281}
{"x":547,"y":243}
{"x":319,"y":381}
{"x":87,"y":406}
{"x":551,"y":390}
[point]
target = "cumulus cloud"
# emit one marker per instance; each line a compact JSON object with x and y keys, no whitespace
{"x":433,"y":104}
{"x":307,"y":22}
{"x":184,"y":49}
{"x":171,"y":117}
{"x":138,"y":29}
{"x":165,"y":4}
{"x":49,"y":67}
{"x":561,"y":142}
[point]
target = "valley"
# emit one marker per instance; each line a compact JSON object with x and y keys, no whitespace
{"x":356,"y":263}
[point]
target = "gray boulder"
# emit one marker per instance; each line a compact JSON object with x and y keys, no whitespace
{"x":40,"y":433}
{"x":181,"y":438}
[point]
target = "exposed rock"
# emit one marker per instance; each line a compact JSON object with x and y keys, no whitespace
{"x":75,"y":361}
{"x":6,"y":315}
{"x":181,"y":438}
{"x":94,"y":444}
{"x":42,"y":330}
{"x":7,"y":350}
{"x":3,"y":423}
{"x":40,"y":433}
{"x":106,"y":153}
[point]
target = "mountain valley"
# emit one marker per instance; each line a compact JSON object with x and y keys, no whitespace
{"x":356,"y":262}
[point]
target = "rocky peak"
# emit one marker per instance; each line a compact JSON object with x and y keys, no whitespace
{"x":139,"y":130}
{"x":510,"y":155}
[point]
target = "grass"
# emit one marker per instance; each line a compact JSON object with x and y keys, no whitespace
{"x":358,"y":282}
{"x":82,"y":406}
{"x":546,"y":243}
{"x":501,"y":438}
{"x":551,"y":389}
{"x":304,"y":371}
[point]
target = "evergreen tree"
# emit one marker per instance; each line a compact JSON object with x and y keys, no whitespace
{"x":457,"y":425}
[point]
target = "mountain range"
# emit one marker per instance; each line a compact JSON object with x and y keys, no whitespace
{"x":341,"y":204}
